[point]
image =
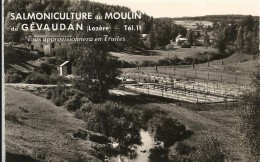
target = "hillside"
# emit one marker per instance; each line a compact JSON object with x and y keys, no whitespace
{"x":36,"y":129}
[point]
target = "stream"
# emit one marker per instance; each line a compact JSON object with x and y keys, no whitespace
{"x":142,"y":151}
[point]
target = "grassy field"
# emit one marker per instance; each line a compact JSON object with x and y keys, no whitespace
{"x":155,"y":55}
{"x":232,"y":71}
{"x":36,"y":128}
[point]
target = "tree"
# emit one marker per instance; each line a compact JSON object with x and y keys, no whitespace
{"x":190,"y":37}
{"x":221,"y":43}
{"x":206,"y":39}
{"x":248,"y":22}
{"x":97,"y":72}
{"x":249,"y":46}
{"x":151,"y":42}
{"x":249,"y":114}
{"x":240,"y":40}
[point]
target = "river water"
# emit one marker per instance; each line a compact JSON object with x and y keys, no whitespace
{"x":141,"y":150}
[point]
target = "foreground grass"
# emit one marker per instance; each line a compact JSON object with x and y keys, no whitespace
{"x":36,"y":128}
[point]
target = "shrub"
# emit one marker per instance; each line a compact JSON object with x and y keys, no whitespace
{"x":49,"y":94}
{"x":73,"y":104}
{"x":46,"y":68}
{"x":188,"y":60}
{"x":209,"y":149}
{"x":167,"y":129}
{"x":58,"y":101}
{"x":87,"y":107}
{"x":148,"y":63}
{"x":183,"y":148}
{"x":13,"y":118}
{"x":98,"y":138}
{"x":13,"y":76}
{"x":37,"y":78}
{"x":158,"y":154}
{"x":58,"y":94}
{"x":18,"y":55}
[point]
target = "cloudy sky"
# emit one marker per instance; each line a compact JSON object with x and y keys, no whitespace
{"x":179,"y":8}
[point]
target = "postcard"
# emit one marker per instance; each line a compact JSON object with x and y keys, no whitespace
{"x":130,"y":81}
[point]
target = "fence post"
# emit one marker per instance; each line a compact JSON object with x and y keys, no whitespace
{"x":226,"y":102}
{"x":197,"y":102}
{"x":162,"y":92}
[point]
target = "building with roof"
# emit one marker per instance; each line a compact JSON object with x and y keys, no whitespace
{"x":180,"y":38}
{"x":49,"y":48}
{"x":65,"y":68}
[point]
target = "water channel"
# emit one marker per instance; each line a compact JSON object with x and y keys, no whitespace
{"x":142,"y":151}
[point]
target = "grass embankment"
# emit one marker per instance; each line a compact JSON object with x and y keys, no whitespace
{"x":155,"y":55}
{"x":232,"y":71}
{"x":37,"y":128}
{"x":213,"y":120}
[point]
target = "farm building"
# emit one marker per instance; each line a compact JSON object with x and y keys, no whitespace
{"x":46,"y":47}
{"x":144,"y":36}
{"x":65,"y":68}
{"x":180,"y":38}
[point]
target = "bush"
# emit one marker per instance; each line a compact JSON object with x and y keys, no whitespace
{"x":13,"y":118}
{"x":158,"y":154}
{"x":49,"y":94}
{"x":39,"y":77}
{"x":148,"y":63}
{"x":167,"y":129}
{"x":98,"y":139}
{"x":18,"y":55}
{"x":209,"y":149}
{"x":183,"y":149}
{"x":87,"y":107}
{"x":58,"y":95}
{"x":46,"y":68}
{"x":188,"y":60}
{"x":58,"y":101}
{"x":73,"y":104}
{"x":13,"y":76}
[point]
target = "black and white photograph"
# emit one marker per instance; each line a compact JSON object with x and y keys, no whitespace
{"x":130,"y":81}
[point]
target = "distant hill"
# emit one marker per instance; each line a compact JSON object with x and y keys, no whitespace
{"x":212,"y":18}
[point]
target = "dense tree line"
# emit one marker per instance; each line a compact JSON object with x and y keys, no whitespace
{"x":241,"y":37}
{"x":213,"y":18}
{"x":162,"y":31}
{"x":247,"y":36}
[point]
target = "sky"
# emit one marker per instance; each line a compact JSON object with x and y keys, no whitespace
{"x":180,"y":8}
